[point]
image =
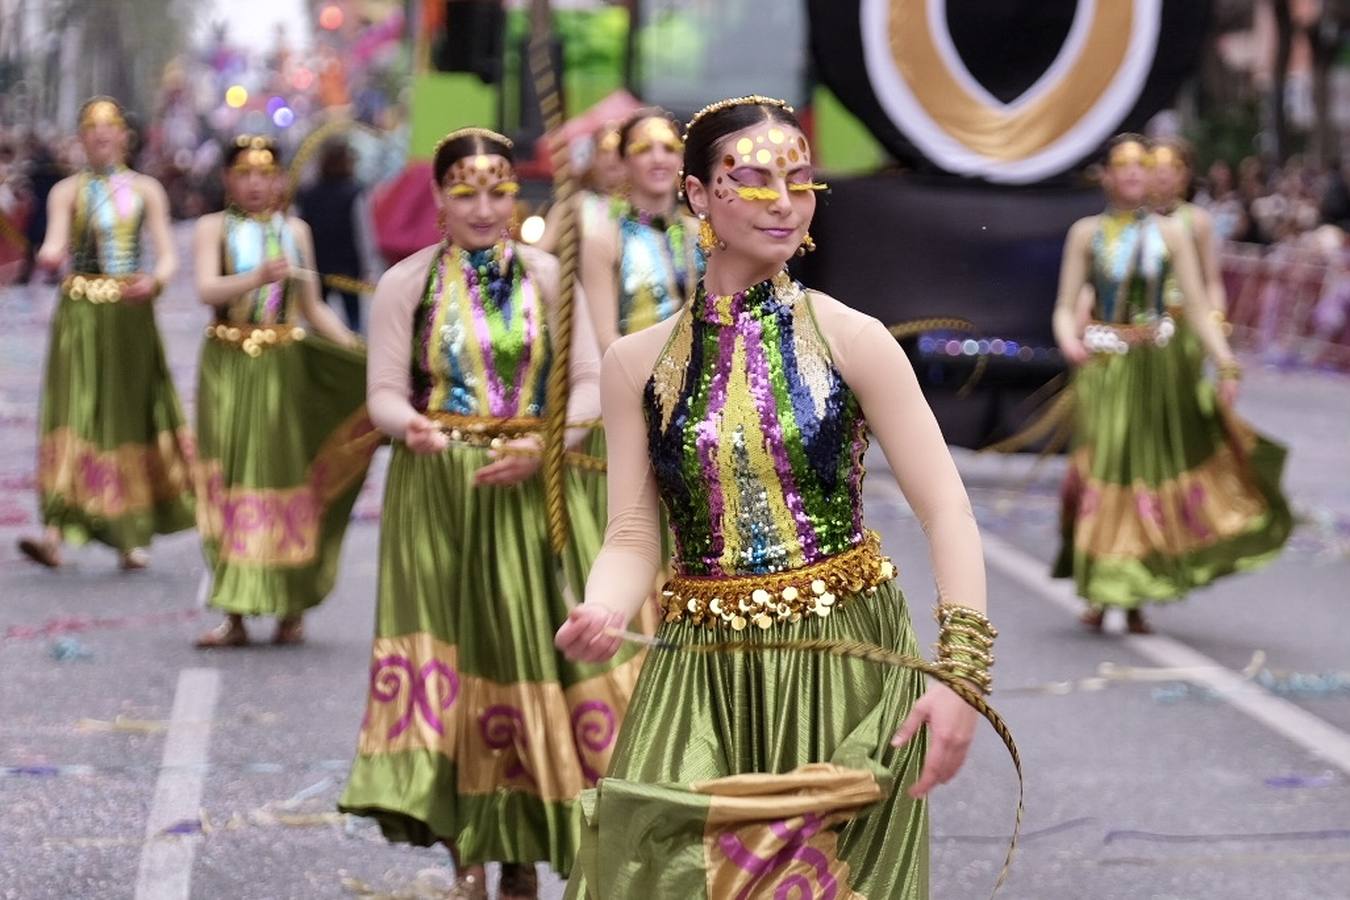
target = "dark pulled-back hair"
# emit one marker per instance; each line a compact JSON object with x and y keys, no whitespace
{"x":700,"y":141}
{"x":477,"y":142}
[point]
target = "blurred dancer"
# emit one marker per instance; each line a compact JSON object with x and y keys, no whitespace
{"x":114,"y":455}
{"x":284,"y":441}
{"x":1167,"y":489}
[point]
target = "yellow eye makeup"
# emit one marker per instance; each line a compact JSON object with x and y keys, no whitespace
{"x":461,"y":190}
{"x":651,"y":133}
{"x":757,"y":193}
{"x":507,"y":188}
{"x":808,"y":186}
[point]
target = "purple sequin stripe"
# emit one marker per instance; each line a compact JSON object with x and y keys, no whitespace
{"x":503,"y":399}
{"x":707,"y":433}
{"x":757,"y":366}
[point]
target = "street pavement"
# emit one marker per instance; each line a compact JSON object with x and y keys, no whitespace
{"x":1227,"y":779}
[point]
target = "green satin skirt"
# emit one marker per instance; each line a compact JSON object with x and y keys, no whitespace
{"x":114,"y":454}
{"x":284,"y":443}
{"x":1167,"y":490}
{"x":701,"y":717}
{"x":477,"y":731}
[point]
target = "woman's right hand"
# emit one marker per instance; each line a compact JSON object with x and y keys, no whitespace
{"x":276,"y":269}
{"x":424,"y":436}
{"x":587,"y":635}
{"x":49,"y":259}
{"x":1074,"y":352}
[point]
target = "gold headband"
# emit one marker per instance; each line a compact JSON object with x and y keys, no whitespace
{"x":1127,"y":152}
{"x":609,"y":141}
{"x":472,"y":131}
{"x":254,"y":158}
{"x":101,"y":111}
{"x":1166,"y":155}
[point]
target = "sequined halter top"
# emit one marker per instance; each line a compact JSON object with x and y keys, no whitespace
{"x":656,"y":264}
{"x":1130,"y":265}
{"x":480,"y":336}
{"x":756,"y":441}
{"x":107,"y":223}
{"x":248,"y":241}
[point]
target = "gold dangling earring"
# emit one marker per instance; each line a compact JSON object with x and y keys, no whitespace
{"x":440,"y":222}
{"x":707,"y":238}
{"x":808,"y":245}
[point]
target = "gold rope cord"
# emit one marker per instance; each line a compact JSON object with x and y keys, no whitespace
{"x":915,"y":327}
{"x":546,"y":88}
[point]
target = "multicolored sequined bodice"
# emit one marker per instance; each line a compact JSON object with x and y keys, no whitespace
{"x":107,"y":223}
{"x":248,"y":242}
{"x":655,"y":260}
{"x":1130,"y":264}
{"x":755,"y":439}
{"x":480,"y":337}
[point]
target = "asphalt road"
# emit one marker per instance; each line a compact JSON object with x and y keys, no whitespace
{"x":1196,"y":784}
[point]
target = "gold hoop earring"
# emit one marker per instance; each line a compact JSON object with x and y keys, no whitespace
{"x":808,"y":245}
{"x":707,"y":238}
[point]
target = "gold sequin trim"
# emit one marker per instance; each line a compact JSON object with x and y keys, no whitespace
{"x":253,"y":340}
{"x":762,"y":600}
{"x":486,"y":431}
{"x":94,"y":288}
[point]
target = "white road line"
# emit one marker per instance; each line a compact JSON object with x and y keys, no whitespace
{"x":1279,"y":715}
{"x":166,"y":862}
{"x":1289,"y":720}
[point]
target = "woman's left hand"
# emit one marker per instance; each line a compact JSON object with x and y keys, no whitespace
{"x":511,"y":468}
{"x":1228,"y":391}
{"x":951,"y":724}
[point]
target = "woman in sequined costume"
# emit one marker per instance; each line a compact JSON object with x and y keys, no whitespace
{"x":639,"y":265}
{"x":115,"y":455}
{"x":639,"y":270}
{"x":478,"y":734}
{"x":602,"y":188}
{"x":746,"y":416}
{"x":283,"y":437}
{"x":1167,"y":489}
{"x":1169,"y":183}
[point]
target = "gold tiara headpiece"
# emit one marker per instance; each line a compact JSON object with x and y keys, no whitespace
{"x":101,"y":111}
{"x":473,"y":131}
{"x":748,"y":100}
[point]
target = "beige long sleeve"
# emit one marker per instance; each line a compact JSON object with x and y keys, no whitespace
{"x":877,"y":371}
{"x":389,"y":363}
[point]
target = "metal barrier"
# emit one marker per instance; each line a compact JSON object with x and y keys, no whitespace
{"x":1290,"y":303}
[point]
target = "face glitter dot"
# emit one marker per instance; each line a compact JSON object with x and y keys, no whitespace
{"x":744,"y":146}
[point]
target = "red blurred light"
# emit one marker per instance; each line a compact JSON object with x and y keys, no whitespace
{"x":330,"y":18}
{"x":302,"y":78}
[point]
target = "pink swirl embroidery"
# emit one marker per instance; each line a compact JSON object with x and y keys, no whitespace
{"x":1193,"y":511}
{"x":503,"y":728}
{"x":794,"y":848}
{"x":390,"y":674}
{"x":594,"y":726}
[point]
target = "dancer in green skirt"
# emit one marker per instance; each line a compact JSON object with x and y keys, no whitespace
{"x":1167,"y":488}
{"x":640,"y":266}
{"x":478,"y":734}
{"x":746,"y":416}
{"x":283,"y":437}
{"x":1170,"y":163}
{"x":114,"y":459}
